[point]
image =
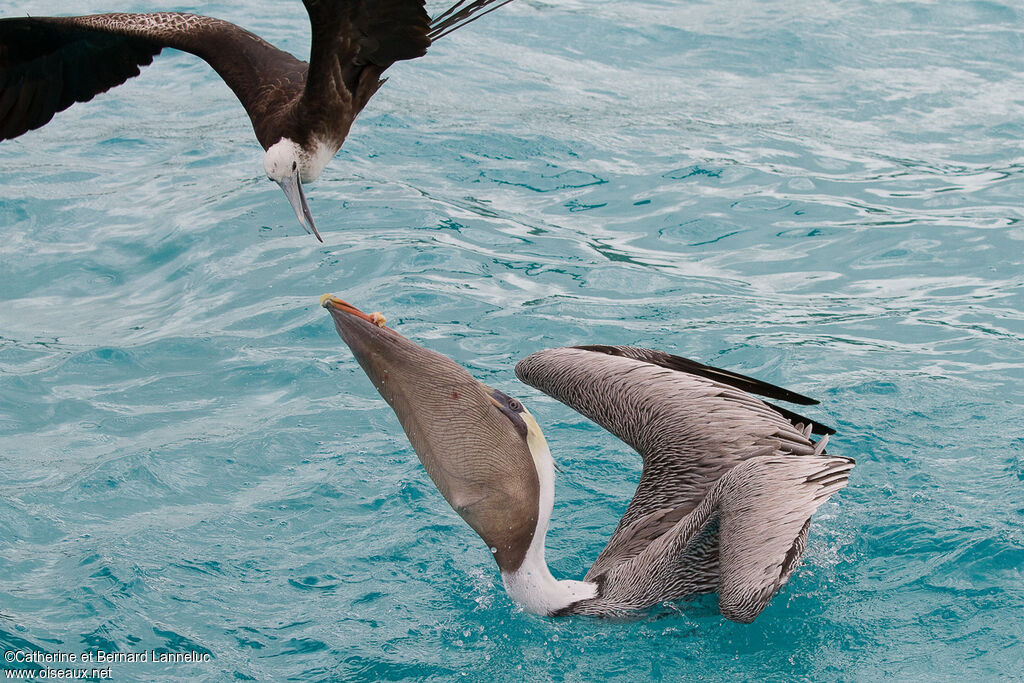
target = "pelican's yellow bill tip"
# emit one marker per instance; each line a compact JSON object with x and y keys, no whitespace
{"x":324,"y":298}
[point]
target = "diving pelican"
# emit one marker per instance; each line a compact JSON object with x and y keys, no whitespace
{"x":301,"y":113}
{"x":725,"y":498}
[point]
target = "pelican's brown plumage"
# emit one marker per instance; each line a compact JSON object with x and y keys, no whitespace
{"x":725,"y":497}
{"x":728,"y":485}
{"x":301,"y":113}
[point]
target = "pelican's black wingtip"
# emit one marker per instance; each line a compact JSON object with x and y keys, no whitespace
{"x":733,"y":379}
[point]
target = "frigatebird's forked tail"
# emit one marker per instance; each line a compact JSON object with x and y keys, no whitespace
{"x":301,"y":113}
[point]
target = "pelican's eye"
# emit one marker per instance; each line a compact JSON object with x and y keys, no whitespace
{"x":295,"y":165}
{"x":511,"y":409}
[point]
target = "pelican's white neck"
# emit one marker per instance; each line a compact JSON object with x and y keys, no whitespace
{"x":531,"y":585}
{"x":533,"y":588}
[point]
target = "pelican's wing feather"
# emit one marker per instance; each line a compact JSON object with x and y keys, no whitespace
{"x":764,"y":512}
{"x":733,"y":379}
{"x":758,"y":515}
{"x":689,"y":428}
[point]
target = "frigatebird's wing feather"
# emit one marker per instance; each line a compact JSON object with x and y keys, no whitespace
{"x":460,"y":14}
{"x":690,"y":429}
{"x":353,"y":36}
{"x":355,"y":41}
{"x":45,"y":67}
{"x":49,"y":63}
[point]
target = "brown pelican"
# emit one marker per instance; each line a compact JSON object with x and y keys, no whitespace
{"x":301,"y":113}
{"x":728,"y":487}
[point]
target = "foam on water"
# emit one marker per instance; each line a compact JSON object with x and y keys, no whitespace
{"x":824,"y":195}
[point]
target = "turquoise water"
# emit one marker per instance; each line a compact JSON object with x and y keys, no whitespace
{"x":826,"y":195}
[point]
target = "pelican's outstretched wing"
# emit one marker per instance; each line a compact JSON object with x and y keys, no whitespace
{"x":689,"y":422}
{"x":764,"y":511}
{"x":49,"y":63}
{"x":733,"y":379}
{"x":744,"y":540}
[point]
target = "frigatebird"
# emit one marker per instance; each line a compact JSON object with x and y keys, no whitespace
{"x":301,"y":112}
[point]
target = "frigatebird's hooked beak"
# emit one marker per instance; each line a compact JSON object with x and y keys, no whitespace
{"x":292,"y":187}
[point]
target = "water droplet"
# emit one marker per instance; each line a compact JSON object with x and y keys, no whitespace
{"x":493,"y":549}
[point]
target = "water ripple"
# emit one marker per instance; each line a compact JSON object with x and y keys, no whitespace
{"x":823,"y":195}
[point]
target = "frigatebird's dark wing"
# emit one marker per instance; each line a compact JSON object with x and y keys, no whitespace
{"x":349,"y":36}
{"x":689,"y":423}
{"x":49,"y":63}
{"x":354,"y":41}
{"x":460,"y":14}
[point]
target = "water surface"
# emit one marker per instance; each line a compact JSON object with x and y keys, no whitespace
{"x":826,"y":195}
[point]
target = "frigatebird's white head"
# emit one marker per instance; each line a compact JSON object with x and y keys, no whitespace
{"x":289,"y":165}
